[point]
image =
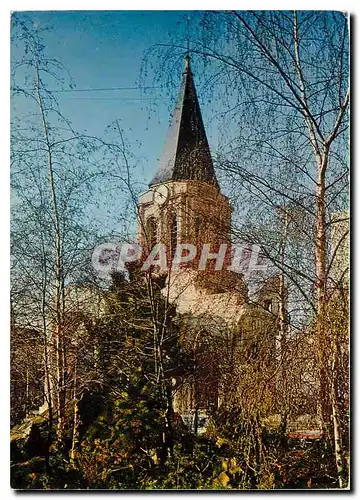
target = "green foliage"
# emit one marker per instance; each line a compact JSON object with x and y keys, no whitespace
{"x":123,"y":449}
{"x":34,"y":474}
{"x":127,"y":438}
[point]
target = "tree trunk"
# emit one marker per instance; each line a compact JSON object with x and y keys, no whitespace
{"x":75,"y":433}
{"x":337,"y":434}
{"x":320,"y":262}
{"x":57,"y":323}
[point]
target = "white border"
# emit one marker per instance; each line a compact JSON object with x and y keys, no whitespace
{"x":6,"y":7}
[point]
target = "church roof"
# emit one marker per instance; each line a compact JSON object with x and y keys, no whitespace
{"x":186,"y":154}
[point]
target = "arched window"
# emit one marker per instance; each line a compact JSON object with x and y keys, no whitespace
{"x":197,"y":227}
{"x":173,"y":234}
{"x":268,"y":304}
{"x":151,"y":232}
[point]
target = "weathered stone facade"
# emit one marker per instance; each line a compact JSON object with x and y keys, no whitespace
{"x":201,"y":212}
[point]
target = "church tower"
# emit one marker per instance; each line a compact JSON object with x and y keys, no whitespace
{"x":183,"y":203}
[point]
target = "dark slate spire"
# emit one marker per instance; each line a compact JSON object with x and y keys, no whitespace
{"x":186,"y":154}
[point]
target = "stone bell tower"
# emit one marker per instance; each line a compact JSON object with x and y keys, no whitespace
{"x":183,"y":203}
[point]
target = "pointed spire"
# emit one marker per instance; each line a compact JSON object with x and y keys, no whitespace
{"x":187,"y":64}
{"x":186,"y":154}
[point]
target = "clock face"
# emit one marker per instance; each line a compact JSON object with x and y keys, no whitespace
{"x":161,"y":194}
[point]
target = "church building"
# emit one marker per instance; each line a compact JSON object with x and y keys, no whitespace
{"x":184,"y":205}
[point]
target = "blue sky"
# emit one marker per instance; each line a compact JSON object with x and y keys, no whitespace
{"x":105,"y":49}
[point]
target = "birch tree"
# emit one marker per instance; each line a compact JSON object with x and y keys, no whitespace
{"x":58,"y":180}
{"x":279,"y":89}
